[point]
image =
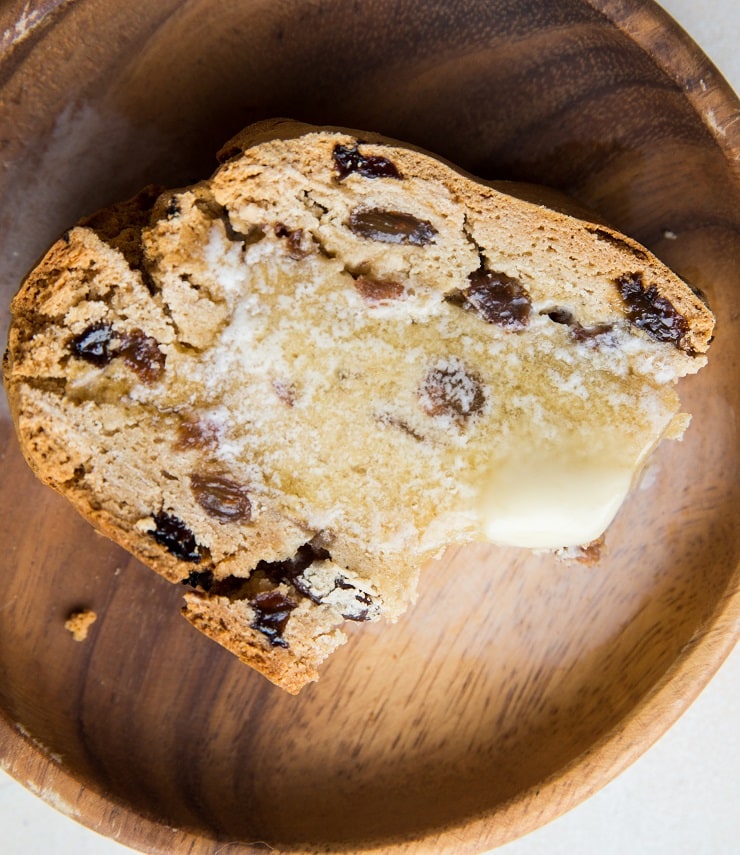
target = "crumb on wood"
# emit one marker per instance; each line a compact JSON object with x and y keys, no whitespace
{"x":79,"y":622}
{"x":589,"y":554}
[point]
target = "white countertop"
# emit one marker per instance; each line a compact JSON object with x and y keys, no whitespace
{"x":681,"y":798}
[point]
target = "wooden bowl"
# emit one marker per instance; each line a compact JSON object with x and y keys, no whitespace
{"x":517,"y":686}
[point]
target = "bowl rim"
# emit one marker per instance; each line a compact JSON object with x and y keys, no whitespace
{"x":22,"y":757}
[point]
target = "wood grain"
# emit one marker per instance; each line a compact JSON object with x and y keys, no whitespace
{"x":517,"y":685}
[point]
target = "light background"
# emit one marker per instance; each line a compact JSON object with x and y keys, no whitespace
{"x":681,"y":798}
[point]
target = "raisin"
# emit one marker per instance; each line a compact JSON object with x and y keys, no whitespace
{"x":199,"y":579}
{"x":578,"y":331}
{"x":195,"y":433}
{"x":100,"y":343}
{"x":173,"y":208}
{"x":221,"y":497}
{"x":94,"y":344}
{"x":379,"y":290}
{"x":648,"y":310}
{"x":496,"y":298}
{"x":291,"y":569}
{"x":452,"y":390}
{"x":294,"y":238}
{"x":349,"y":159}
{"x":272,"y":610}
{"x":363,"y":599}
{"x":142,"y":354}
{"x":391,"y":227}
{"x":172,"y":533}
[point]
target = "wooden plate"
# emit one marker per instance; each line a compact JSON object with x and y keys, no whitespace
{"x":517,"y":686}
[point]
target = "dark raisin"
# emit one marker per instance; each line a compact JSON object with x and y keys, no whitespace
{"x":378,"y":290}
{"x":173,"y":208}
{"x":142,"y":354}
{"x":650,"y":311}
{"x":233,"y":587}
{"x":359,"y":615}
{"x":496,"y":298}
{"x":221,"y":497}
{"x":290,"y":569}
{"x":391,"y":227}
{"x":361,"y":612}
{"x":578,"y":331}
{"x":451,"y":389}
{"x":100,"y":343}
{"x":172,"y":533}
{"x":199,"y":579}
{"x":348,"y":159}
{"x":272,"y":611}
{"x":94,"y":344}
{"x":294,"y":239}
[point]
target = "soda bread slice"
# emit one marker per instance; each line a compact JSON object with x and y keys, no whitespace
{"x":291,"y":385}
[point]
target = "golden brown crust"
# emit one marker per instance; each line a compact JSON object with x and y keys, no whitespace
{"x":227,"y":624}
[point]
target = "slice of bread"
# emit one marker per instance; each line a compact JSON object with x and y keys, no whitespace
{"x":291,"y":385}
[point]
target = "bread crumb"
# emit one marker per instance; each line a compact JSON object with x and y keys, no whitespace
{"x":79,"y":622}
{"x":588,"y":554}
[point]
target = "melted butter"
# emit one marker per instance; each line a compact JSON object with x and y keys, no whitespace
{"x":558,"y":495}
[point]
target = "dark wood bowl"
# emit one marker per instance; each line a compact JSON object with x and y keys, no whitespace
{"x":517,"y":686}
